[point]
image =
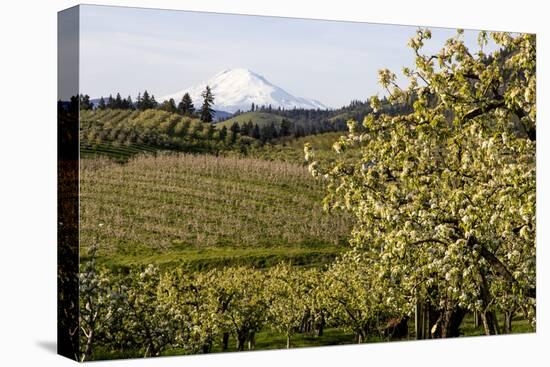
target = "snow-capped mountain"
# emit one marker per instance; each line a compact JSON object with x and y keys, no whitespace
{"x":237,"y":89}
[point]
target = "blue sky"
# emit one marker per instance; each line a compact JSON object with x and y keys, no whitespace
{"x":128,"y":50}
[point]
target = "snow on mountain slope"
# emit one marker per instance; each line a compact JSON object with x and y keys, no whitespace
{"x":237,"y":89}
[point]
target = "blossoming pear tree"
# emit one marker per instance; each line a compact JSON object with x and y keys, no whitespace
{"x":445,"y":196}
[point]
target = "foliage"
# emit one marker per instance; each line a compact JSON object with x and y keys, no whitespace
{"x":145,"y":101}
{"x":169,"y":106}
{"x":95,"y":304}
{"x":148,"y":311}
{"x":285,"y":292}
{"x":206,"y":112}
{"x":445,"y":196}
{"x":186,"y":107}
{"x":359,"y":296}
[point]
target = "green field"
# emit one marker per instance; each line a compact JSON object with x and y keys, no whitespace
{"x":206,"y":211}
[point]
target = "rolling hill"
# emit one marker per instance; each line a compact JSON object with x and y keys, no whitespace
{"x":121,"y":134}
{"x":259,"y":118}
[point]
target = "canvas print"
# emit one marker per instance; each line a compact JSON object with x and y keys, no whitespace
{"x":235,"y":183}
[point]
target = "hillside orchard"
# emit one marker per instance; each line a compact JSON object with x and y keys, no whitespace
{"x":429,"y":216}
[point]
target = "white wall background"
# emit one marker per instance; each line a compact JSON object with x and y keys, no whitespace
{"x":28,"y":182}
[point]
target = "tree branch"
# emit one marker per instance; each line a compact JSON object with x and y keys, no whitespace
{"x":481,"y":110}
{"x":499,"y":267}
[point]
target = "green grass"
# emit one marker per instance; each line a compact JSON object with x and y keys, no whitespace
{"x":519,"y":326}
{"x":258,"y":118}
{"x":203,"y":211}
{"x":201,"y":259}
{"x":268,"y":339}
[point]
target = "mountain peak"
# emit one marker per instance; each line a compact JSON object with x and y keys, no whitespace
{"x":237,"y":88}
{"x":236,"y":71}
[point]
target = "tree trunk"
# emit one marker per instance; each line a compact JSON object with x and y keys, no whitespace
{"x":419,"y":322}
{"x":477,"y":319}
{"x":397,"y":327}
{"x":287,"y":341}
{"x":488,"y":317}
{"x":241,"y":339}
{"x":146,"y":351}
{"x":490,"y":323}
{"x":252,"y":340}
{"x":321,"y":326}
{"x":225,"y":341}
{"x":452,"y":320}
{"x":88,"y":349}
{"x":508,"y":321}
{"x":425,"y":318}
{"x":206,"y":348}
{"x":304,"y":324}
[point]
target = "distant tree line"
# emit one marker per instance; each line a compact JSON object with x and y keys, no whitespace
{"x":265,"y":133}
{"x":146,"y":101}
{"x":296,"y":122}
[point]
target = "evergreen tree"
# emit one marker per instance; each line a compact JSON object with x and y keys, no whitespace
{"x":118,"y":101}
{"x":268,"y":132}
{"x":299,"y":131}
{"x":223,"y":133}
{"x":207,"y":113}
{"x":245,"y":129}
{"x":145,"y":101}
{"x":284,"y":130}
{"x":235,"y":128}
{"x":110,"y":101}
{"x":252,"y":107}
{"x":233,"y":136}
{"x":186,"y":107}
{"x":249,"y":128}
{"x":154,"y":103}
{"x":101,"y":104}
{"x":129,"y":103}
{"x":169,"y":106}
{"x":139,"y":102}
{"x":210,"y":131}
{"x":255,"y":132}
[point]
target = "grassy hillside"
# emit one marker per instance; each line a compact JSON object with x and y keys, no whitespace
{"x":206,"y":211}
{"x":259,"y":118}
{"x":121,"y":134}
